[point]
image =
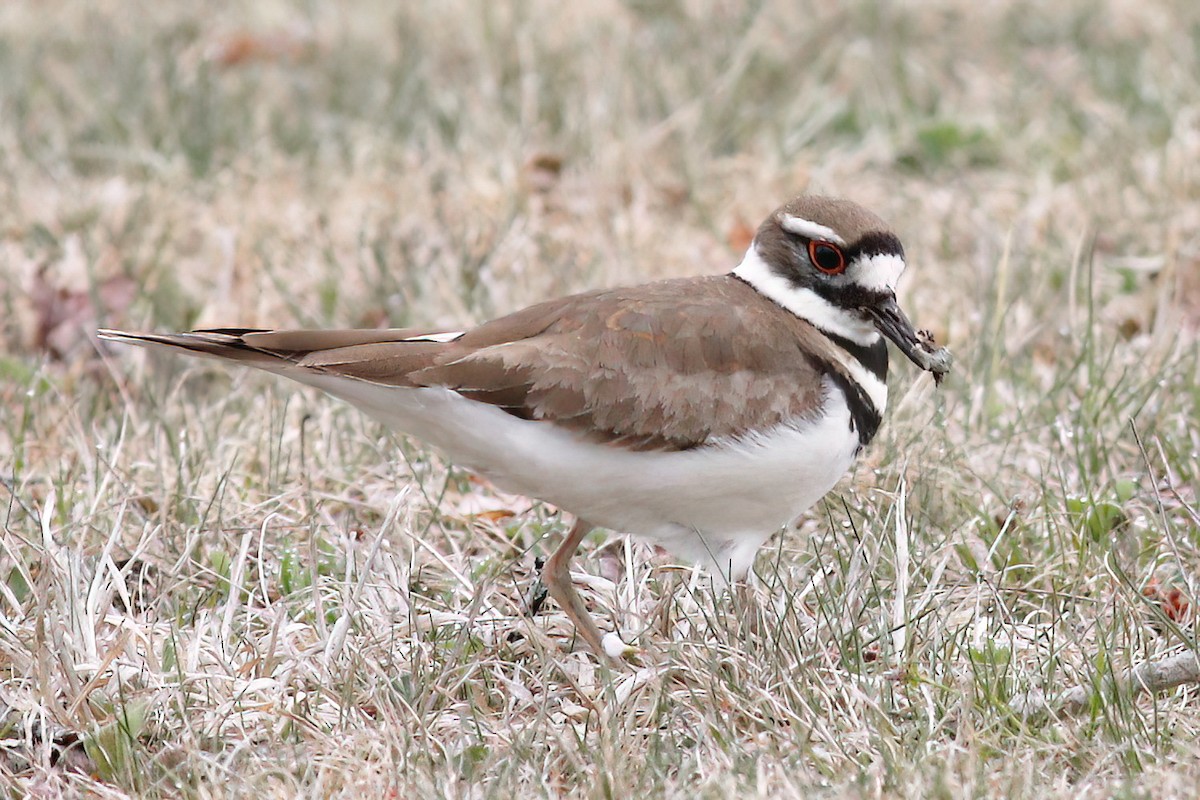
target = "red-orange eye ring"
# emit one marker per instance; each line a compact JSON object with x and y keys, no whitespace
{"x":827,"y":257}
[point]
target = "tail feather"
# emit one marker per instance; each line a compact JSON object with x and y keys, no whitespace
{"x":378,"y":356}
{"x":227,"y":344}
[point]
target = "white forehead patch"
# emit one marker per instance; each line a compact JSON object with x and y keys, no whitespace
{"x":809,"y":229}
{"x":879,"y":272}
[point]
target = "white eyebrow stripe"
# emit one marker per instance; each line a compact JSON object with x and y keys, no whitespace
{"x":809,"y":229}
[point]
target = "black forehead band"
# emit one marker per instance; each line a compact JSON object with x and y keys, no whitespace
{"x":875,"y":243}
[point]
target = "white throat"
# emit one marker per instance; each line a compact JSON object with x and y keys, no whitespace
{"x":811,"y":307}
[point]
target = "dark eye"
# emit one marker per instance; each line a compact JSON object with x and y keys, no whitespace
{"x":827,"y":257}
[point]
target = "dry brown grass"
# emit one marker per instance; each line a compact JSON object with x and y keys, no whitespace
{"x":212,"y":584}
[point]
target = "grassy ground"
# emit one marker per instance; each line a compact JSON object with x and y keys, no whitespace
{"x":213,"y":584}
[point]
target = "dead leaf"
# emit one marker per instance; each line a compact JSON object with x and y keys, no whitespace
{"x":63,"y":317}
{"x":496,"y":515}
{"x":541,"y":171}
{"x":1171,"y":599}
{"x":249,"y":47}
{"x":610,"y":559}
{"x":1187,"y":293}
{"x":675,"y":194}
{"x":488,"y":504}
{"x":739,"y":235}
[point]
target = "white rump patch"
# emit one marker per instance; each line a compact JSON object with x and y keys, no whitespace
{"x":436,"y":337}
{"x":809,"y":229}
{"x":879,"y":272}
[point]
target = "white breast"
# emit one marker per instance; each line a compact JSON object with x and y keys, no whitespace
{"x":716,"y":504}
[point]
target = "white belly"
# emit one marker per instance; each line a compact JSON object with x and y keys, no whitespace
{"x":715,"y":504}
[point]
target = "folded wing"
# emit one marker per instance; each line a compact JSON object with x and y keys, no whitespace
{"x":645,"y":367}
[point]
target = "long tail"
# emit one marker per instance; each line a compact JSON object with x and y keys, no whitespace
{"x":379,"y":356}
{"x":228,"y":344}
{"x":363,"y":367}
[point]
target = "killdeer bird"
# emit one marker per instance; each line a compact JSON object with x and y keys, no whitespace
{"x":702,"y":413}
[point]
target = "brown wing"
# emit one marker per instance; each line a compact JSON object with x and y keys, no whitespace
{"x":669,"y":365}
{"x":662,"y":366}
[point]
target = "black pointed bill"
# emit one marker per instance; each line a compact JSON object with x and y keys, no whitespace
{"x":890,"y":320}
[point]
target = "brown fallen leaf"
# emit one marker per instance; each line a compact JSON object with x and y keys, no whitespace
{"x":249,"y":47}
{"x":739,"y":235}
{"x":1187,"y":292}
{"x":610,"y":559}
{"x":541,"y":171}
{"x":63,"y":318}
{"x":488,"y":504}
{"x":496,"y":515}
{"x":1171,"y":599}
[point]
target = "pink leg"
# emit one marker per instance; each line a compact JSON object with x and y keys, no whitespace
{"x":557,"y":577}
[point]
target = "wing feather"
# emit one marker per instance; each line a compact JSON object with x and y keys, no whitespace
{"x":671,"y":365}
{"x":644,"y":367}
